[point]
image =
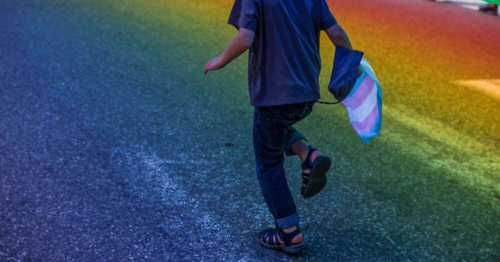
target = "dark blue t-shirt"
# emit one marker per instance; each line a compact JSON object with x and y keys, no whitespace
{"x":284,"y":61}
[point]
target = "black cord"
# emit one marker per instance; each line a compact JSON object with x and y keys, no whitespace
{"x":329,"y":103}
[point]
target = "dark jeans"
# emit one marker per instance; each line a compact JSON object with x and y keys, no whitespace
{"x":272,"y":136}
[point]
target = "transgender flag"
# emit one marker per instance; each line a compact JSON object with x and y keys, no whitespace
{"x":364,"y":104}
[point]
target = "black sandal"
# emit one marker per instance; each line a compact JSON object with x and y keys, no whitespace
{"x":271,"y":239}
{"x":316,"y":180}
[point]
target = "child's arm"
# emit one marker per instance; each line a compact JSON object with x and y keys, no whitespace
{"x":339,"y":38}
{"x":238,"y":46}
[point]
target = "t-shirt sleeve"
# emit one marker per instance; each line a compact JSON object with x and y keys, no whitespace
{"x":244,"y":14}
{"x":327,"y":19}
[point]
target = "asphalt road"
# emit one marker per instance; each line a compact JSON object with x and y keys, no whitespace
{"x":115,"y":147}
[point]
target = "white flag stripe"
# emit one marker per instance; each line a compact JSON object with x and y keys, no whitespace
{"x":360,"y":114}
{"x":369,"y":70}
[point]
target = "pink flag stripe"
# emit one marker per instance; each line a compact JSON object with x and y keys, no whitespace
{"x":360,"y":94}
{"x":365,"y":108}
{"x":368,"y":123}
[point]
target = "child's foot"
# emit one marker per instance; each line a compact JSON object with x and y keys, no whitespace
{"x":314,"y":170}
{"x":307,"y":172}
{"x":288,"y":240}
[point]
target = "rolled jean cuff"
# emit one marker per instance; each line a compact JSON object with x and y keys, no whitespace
{"x":290,"y":140}
{"x":288,"y":221}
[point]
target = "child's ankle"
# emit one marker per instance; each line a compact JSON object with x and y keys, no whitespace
{"x":290,"y":229}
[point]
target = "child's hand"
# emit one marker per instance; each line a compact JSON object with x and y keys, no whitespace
{"x":360,"y":71}
{"x":213,"y":64}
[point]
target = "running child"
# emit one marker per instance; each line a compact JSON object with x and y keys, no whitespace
{"x":283,"y":74}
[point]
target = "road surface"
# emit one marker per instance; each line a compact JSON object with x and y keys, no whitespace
{"x":115,"y":147}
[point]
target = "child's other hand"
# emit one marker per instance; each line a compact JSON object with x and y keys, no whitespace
{"x":360,"y":71}
{"x":213,"y":64}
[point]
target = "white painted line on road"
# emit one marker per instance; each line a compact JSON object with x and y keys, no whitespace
{"x":152,"y":177}
{"x":470,"y":4}
{"x":490,"y":87}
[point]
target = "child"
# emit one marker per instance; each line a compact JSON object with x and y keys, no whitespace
{"x":283,"y":75}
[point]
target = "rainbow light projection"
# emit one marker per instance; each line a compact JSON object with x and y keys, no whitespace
{"x":440,"y":141}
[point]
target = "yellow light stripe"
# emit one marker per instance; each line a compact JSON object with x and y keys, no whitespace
{"x":490,"y":87}
{"x":471,"y":161}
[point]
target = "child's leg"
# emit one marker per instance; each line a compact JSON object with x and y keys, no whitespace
{"x":269,"y":140}
{"x":273,"y":134}
{"x":314,"y":165}
{"x":296,"y":145}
